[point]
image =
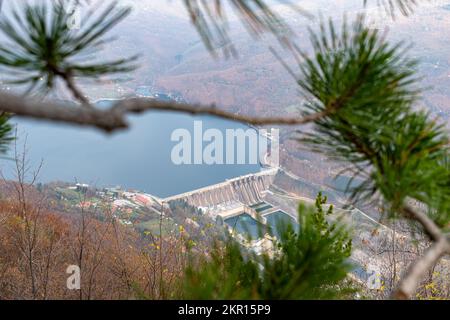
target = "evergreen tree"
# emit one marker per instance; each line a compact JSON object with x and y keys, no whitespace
{"x":43,"y":46}
{"x":5,"y":133}
{"x":310,"y":262}
{"x":362,"y":95}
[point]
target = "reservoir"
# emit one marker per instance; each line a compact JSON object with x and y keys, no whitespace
{"x":137,"y":158}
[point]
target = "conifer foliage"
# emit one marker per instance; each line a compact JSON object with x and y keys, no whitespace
{"x":310,"y":262}
{"x":43,"y":44}
{"x":362,"y":100}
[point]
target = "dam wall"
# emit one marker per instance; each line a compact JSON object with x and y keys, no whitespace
{"x":248,"y":190}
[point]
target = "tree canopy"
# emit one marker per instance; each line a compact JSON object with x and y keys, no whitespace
{"x":362,"y":100}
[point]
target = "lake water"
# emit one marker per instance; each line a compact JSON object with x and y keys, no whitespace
{"x":139,"y":158}
{"x":246,"y":226}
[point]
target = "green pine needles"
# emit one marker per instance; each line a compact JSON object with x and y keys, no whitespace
{"x":367,"y":90}
{"x":308,"y":263}
{"x":44,"y":43}
{"x":5,"y":133}
{"x":362,"y":99}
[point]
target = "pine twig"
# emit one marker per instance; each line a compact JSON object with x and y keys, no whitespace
{"x":417,"y":270}
{"x":115,"y":118}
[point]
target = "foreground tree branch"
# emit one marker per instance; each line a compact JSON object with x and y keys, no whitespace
{"x":77,"y":94}
{"x":416,"y":272}
{"x":418,"y":269}
{"x":431,"y":229}
{"x":115,"y":118}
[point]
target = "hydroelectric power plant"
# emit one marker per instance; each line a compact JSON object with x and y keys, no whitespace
{"x":240,"y":204}
{"x":248,"y":190}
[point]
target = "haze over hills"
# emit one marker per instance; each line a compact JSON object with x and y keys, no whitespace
{"x":256,"y":83}
{"x":133,"y":208}
{"x":174,"y":60}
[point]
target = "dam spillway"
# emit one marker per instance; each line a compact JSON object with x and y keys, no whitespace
{"x":248,"y":190}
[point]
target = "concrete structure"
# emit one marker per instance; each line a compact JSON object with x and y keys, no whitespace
{"x":232,"y":198}
{"x":248,"y":190}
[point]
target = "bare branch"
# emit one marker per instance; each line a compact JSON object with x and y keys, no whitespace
{"x":60,"y":112}
{"x":115,"y":117}
{"x":431,"y":229}
{"x":141,"y":105}
{"x":68,"y":79}
{"x":417,"y":270}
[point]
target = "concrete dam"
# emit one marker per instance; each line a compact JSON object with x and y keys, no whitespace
{"x":248,"y":190}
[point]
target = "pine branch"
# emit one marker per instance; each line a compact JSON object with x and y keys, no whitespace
{"x":141,"y":105}
{"x":429,"y":226}
{"x":418,"y":269}
{"x":211,"y":21}
{"x":259,"y":17}
{"x":40,"y":46}
{"x":416,"y":272}
{"x":76,"y":92}
{"x":115,"y":118}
